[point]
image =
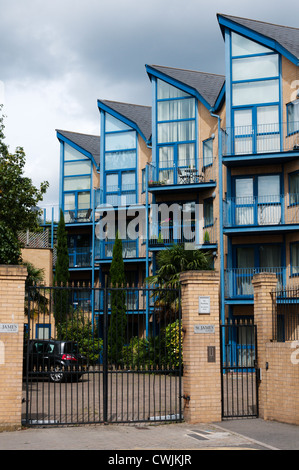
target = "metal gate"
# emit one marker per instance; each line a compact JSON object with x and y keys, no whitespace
{"x":239,"y":373}
{"x":99,"y":355}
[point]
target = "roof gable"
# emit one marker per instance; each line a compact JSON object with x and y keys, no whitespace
{"x":206,"y":86}
{"x":283,"y":39}
{"x":137,"y":116}
{"x":87,"y":142}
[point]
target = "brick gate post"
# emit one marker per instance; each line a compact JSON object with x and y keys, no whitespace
{"x":201,"y":346}
{"x":12,"y":298}
{"x":263,"y":285}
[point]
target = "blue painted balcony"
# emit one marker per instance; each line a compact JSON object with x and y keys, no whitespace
{"x":264,"y":143}
{"x":170,"y":234}
{"x":261,"y":214}
{"x":104,"y":250}
{"x":78,"y":216}
{"x":238,"y":281}
{"x":79,"y":257}
{"x":171,"y":177}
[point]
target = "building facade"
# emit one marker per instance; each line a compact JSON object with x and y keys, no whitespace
{"x":213,"y":164}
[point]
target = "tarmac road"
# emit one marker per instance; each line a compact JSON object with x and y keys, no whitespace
{"x":253,"y":434}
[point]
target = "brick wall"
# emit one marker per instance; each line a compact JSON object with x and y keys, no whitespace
{"x":12,"y":295}
{"x":278,"y":362}
{"x":201,"y":379}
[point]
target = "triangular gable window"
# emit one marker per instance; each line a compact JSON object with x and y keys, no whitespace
{"x":242,"y":46}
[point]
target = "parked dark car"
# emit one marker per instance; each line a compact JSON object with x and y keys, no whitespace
{"x":57,"y":360}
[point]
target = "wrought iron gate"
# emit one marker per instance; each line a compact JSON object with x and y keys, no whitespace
{"x":239,"y":372}
{"x":95,"y":355}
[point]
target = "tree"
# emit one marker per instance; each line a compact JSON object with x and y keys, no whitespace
{"x":61,"y":277}
{"x":18,"y":200}
{"x":36,"y":294}
{"x":118,"y":319}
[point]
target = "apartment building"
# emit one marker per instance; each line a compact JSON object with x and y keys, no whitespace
{"x":219,"y":150}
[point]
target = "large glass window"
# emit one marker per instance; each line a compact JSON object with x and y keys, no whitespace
{"x":176,"y":133}
{"x":120,"y":161}
{"x":76,"y":185}
{"x":255,"y":97}
{"x":257,"y":200}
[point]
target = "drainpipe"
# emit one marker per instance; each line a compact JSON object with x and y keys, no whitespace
{"x":221,"y":251}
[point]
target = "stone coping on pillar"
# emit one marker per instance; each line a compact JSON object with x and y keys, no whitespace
{"x":199,"y":276}
{"x":13,"y":271}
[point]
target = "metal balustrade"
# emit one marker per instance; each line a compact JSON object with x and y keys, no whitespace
{"x":261,"y":210}
{"x":169,"y":174}
{"x":263,"y":138}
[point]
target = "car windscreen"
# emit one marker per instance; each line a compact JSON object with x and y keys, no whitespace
{"x":71,"y":348}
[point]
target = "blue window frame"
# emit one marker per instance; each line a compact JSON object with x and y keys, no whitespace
{"x":120,"y":163}
{"x":257,"y":200}
{"x":79,"y":247}
{"x":294,"y":188}
{"x":255,"y":97}
{"x":77,"y":177}
{"x":176,"y":133}
{"x":294,"y":256}
{"x":248,"y":260}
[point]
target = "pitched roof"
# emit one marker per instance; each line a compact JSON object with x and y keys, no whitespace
{"x":285,"y":36}
{"x":90,"y":143}
{"x":138,"y":114}
{"x":208,"y":85}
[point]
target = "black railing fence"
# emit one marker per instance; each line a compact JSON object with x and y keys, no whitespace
{"x":95,"y":354}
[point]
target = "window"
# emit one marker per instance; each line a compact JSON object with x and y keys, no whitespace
{"x":208,"y":212}
{"x":255,"y":97}
{"x":294,"y":259}
{"x":176,"y":133}
{"x":293,"y":117}
{"x":76,"y":185}
{"x":120,"y":162}
{"x":294,"y":188}
{"x":257,"y":200}
{"x":208,"y":152}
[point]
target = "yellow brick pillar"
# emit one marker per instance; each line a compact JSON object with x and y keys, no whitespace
{"x":263,"y":284}
{"x":12,"y":297}
{"x":201,"y":346}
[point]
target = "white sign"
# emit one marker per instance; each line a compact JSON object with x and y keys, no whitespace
{"x":204,"y":304}
{"x":9,"y":328}
{"x":204,"y":329}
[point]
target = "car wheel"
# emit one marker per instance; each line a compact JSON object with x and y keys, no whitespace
{"x":57,"y":375}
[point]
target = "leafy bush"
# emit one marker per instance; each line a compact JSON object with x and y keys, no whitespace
{"x":79,"y":329}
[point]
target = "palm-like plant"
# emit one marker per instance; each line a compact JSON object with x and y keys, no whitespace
{"x":175,"y":260}
{"x":171,"y":263}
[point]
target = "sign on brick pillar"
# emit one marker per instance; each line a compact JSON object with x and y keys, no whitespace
{"x":201,"y":346}
{"x":12,"y":297}
{"x":263,"y":284}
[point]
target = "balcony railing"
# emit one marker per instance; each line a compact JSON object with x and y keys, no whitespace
{"x":104,"y":249}
{"x":169,"y":174}
{"x":78,"y":216}
{"x":261,"y":210}
{"x":79,"y":257}
{"x":264,"y":138}
{"x":167,"y":235}
{"x":238,"y":281}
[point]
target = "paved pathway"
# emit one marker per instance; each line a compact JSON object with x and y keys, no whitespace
{"x":241,"y":434}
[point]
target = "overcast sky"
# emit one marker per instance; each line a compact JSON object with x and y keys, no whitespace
{"x":58,"y":57}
